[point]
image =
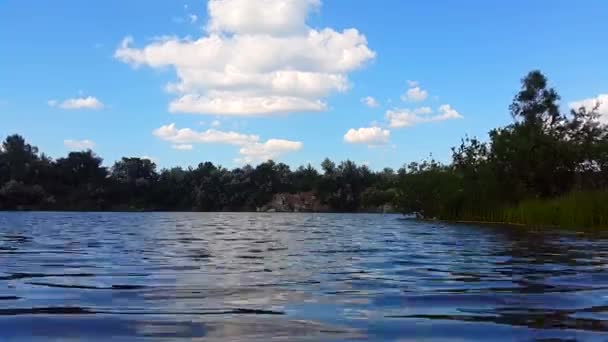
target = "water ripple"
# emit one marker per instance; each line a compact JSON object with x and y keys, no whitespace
{"x":257,"y":277}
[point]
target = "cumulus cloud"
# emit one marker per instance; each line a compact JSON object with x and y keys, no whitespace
{"x":231,"y":105}
{"x":370,"y":102}
{"x":367,"y":135}
{"x":216,"y":123}
{"x":182,"y":147}
{"x":423,"y":110}
{"x":88,"y":102}
{"x":193,"y":18}
{"x":399,"y":118}
{"x":598,"y":103}
{"x":251,"y":149}
{"x":211,"y":136}
{"x":257,"y":57}
{"x":78,"y":145}
{"x":415,"y":94}
{"x":271,"y":149}
{"x":447,"y":113}
{"x":273,"y":17}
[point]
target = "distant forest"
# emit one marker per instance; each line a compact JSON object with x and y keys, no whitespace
{"x":547,"y":166}
{"x":31,"y":180}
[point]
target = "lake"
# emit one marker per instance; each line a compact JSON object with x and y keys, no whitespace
{"x":295,"y":277}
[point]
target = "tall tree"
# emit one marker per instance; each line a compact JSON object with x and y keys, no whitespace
{"x":18,"y":159}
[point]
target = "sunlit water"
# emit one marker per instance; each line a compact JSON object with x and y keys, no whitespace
{"x":261,"y":277}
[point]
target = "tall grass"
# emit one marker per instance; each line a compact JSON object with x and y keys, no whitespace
{"x":574,"y":210}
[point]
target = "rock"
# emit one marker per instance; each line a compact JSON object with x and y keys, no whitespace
{"x":298,"y":202}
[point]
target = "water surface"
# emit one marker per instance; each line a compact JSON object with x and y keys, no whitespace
{"x":295,"y":277}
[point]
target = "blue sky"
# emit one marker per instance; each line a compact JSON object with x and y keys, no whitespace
{"x":286,"y":86}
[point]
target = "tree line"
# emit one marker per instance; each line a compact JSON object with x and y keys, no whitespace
{"x":544,"y":154}
{"x":79,"y":181}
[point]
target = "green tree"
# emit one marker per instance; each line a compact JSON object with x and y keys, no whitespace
{"x":133,"y":181}
{"x":18,"y":159}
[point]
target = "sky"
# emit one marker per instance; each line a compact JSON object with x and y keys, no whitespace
{"x":381,"y":83}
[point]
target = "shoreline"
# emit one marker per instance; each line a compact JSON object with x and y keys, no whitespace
{"x":492,"y":223}
{"x":189,"y":211}
{"x":403,"y":216}
{"x":515,"y":225}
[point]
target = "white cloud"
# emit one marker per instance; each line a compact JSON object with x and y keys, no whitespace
{"x":243,"y":105}
{"x":370,"y":102}
{"x":88,"y":102}
{"x":193,"y":18}
{"x":78,"y":145}
{"x":260,"y":17}
{"x":210,"y":136}
{"x":423,"y":110}
{"x":182,"y":147}
{"x":398,"y":118}
{"x":367,"y":135}
{"x":251,"y":149}
{"x":447,"y":113}
{"x":271,"y":149}
{"x":258,"y":57}
{"x":216,"y":123}
{"x":600,"y":101}
{"x":412,"y":84}
{"x":415,"y":94}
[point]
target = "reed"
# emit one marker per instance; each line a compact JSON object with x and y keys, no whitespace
{"x":574,"y":210}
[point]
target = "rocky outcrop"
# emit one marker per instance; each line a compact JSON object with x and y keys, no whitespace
{"x":386,"y":208}
{"x":298,"y":202}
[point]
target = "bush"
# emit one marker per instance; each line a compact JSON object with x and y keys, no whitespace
{"x":14,"y":195}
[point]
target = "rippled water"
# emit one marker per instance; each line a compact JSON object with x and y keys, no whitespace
{"x":248,"y":277}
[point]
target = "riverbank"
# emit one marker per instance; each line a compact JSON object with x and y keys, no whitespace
{"x":306,"y":201}
{"x":520,"y":226}
{"x":576,"y":210}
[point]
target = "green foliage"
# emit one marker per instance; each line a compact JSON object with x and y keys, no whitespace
{"x":16,"y":195}
{"x":80,"y":182}
{"x":375,"y":198}
{"x":429,"y":189}
{"x":538,"y":170}
{"x":341,"y":186}
{"x":546,"y":168}
{"x":573,"y":210}
{"x":18,"y":159}
{"x":134,"y":171}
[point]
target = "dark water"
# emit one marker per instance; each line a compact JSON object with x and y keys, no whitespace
{"x":261,"y":277}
